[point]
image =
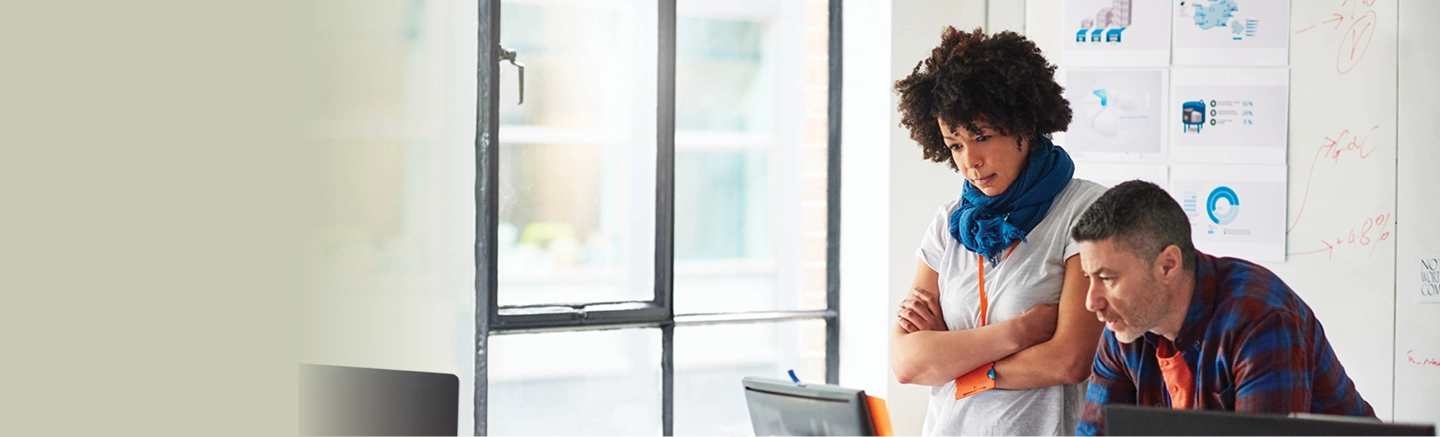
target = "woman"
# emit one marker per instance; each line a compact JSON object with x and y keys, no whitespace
{"x":987,"y":104}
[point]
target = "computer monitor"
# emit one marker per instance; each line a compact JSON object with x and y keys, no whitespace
{"x":1134,"y":420}
{"x":337,"y":400}
{"x":779,"y":407}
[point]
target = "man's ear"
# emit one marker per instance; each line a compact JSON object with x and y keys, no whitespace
{"x":1170,"y":262}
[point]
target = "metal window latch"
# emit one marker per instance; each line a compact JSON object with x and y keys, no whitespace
{"x":509,"y":55}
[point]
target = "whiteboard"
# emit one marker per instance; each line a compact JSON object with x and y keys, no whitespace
{"x":1340,"y":235}
{"x":1417,"y":333}
{"x":1363,"y":195}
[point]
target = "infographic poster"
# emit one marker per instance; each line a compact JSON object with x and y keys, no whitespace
{"x":1232,"y":32}
{"x":1117,"y":114}
{"x":1229,"y":115}
{"x":1116,"y":33}
{"x":1234,"y":210}
{"x":1112,"y":174}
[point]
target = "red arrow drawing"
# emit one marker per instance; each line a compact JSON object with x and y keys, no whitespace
{"x":1328,"y":248}
{"x":1338,"y":20}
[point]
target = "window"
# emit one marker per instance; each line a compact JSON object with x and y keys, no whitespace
{"x":656,"y":214}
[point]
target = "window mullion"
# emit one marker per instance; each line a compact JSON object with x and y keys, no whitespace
{"x":665,"y":209}
{"x":832,"y":201}
{"x":487,"y":201}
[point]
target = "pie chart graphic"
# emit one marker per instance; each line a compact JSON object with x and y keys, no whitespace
{"x":1226,"y":215}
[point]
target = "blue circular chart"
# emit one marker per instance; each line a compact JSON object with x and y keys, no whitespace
{"x":1230,"y":213}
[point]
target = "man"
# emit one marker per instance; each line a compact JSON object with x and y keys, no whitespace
{"x":1214,"y":333}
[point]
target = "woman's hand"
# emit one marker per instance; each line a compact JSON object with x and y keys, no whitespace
{"x":920,"y":311}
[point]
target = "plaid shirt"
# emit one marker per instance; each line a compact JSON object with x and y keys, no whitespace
{"x":1251,"y":343}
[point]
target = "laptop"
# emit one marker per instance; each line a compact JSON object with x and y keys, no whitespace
{"x":1135,"y":420}
{"x":336,"y":400}
{"x":779,"y":407}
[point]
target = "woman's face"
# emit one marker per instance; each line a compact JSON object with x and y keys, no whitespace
{"x":989,"y":161}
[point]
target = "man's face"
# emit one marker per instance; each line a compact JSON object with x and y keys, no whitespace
{"x":1125,"y":290}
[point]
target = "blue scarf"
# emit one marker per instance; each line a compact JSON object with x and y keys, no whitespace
{"x":988,"y":225}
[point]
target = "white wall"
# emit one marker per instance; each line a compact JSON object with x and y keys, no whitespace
{"x":395,"y":296}
{"x":917,"y":187}
{"x":864,"y":197}
{"x":887,"y":185}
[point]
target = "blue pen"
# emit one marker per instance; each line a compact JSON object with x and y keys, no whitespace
{"x":793,"y":377}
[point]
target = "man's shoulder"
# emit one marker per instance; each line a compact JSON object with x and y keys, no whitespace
{"x":1249,"y":294}
{"x":1240,"y":279}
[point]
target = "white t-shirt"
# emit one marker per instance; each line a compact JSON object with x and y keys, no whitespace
{"x":1031,"y":275}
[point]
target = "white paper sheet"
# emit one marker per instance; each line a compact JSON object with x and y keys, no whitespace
{"x":1234,"y":210}
{"x":1116,"y":33}
{"x":1231,"y":32}
{"x":1235,"y":116}
{"x":1111,"y":174}
{"x":1429,"y":291}
{"x":1118,"y":114}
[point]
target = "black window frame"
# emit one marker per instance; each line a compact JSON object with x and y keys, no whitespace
{"x":659,"y":312}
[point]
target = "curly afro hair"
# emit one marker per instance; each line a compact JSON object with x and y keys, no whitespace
{"x":1001,"y":80}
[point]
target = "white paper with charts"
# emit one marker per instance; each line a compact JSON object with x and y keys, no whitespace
{"x":1117,"y":114}
{"x":1231,"y":32}
{"x":1229,"y":115}
{"x":1234,"y":210}
{"x":1116,"y":33}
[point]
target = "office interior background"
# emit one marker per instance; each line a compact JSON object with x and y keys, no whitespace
{"x":747,"y":279}
{"x":162,"y":165}
{"x":577,"y":182}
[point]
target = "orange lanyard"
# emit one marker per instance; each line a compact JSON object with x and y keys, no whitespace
{"x":985,"y":300}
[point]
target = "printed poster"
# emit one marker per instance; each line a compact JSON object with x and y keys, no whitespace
{"x":1229,"y":115}
{"x":1232,"y":32}
{"x":1234,"y":210}
{"x":1118,"y":114}
{"x":1116,"y":33}
{"x":1429,"y":280}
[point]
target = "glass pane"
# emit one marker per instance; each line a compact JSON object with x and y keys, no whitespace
{"x":390,"y":105}
{"x":750,"y":162}
{"x":575,"y":383}
{"x":577,"y":158}
{"x":710,"y":360}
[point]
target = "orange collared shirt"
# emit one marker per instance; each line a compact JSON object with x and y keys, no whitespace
{"x":1179,"y":381}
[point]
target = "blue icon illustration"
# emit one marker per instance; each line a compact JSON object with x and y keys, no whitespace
{"x":1108,"y":23}
{"x":1192,"y":115}
{"x":1113,"y":35}
{"x":1227,"y":217}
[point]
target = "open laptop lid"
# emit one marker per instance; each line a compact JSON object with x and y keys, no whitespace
{"x":779,"y":407}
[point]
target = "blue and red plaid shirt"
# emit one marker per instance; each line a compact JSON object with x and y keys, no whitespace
{"x":1251,"y":343}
